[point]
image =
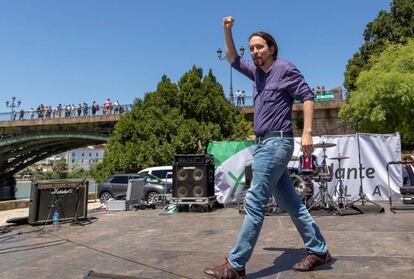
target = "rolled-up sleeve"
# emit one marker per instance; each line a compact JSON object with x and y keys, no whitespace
{"x":245,"y":67}
{"x":296,"y":85}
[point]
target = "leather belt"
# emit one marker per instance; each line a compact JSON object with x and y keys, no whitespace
{"x":279,"y":134}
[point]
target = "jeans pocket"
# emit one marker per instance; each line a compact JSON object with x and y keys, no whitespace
{"x":283,"y":149}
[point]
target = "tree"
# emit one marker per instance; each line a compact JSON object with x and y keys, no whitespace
{"x":385,"y":94}
{"x":60,"y":168}
{"x":78,"y":172}
{"x":393,"y":27}
{"x":177,"y":118}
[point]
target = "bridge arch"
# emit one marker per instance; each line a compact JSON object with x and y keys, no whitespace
{"x":23,"y":143}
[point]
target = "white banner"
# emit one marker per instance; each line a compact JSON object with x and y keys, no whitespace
{"x":376,"y":151}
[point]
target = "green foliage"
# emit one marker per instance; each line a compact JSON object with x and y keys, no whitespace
{"x":388,"y":27}
{"x":78,"y":172}
{"x":385,"y":94}
{"x":177,"y":118}
{"x":60,"y":168}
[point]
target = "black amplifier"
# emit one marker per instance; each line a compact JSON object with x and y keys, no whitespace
{"x":70,"y":197}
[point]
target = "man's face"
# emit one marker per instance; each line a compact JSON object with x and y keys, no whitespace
{"x":260,"y":51}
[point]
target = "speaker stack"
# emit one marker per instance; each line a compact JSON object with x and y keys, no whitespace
{"x":193,"y":179}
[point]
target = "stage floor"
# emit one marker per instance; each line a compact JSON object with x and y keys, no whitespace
{"x":152,"y":244}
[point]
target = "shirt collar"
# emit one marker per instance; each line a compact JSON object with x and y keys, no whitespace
{"x":270,"y":68}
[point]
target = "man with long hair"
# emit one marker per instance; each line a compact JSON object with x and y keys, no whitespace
{"x":276,"y":84}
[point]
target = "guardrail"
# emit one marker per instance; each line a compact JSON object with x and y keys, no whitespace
{"x":55,"y":113}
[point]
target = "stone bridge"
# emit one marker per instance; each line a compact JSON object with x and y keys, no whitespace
{"x":24,"y":142}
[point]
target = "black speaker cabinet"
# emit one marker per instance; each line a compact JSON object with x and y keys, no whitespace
{"x":69,"y":199}
{"x":193,"y":176}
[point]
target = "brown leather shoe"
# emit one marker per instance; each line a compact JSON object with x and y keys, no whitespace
{"x":311,"y":261}
{"x":225,"y":271}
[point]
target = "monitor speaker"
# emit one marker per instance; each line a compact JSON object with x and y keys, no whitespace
{"x":193,"y":176}
{"x":70,"y":198}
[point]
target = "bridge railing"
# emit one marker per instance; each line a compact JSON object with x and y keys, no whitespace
{"x":55,"y":113}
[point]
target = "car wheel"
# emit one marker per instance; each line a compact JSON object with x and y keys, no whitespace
{"x":152,"y":197}
{"x":105,"y":196}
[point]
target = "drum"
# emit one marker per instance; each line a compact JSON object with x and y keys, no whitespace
{"x":307,"y":164}
{"x":293,"y":170}
{"x":323,"y":173}
{"x":303,"y":187}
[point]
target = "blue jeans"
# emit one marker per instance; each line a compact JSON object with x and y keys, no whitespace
{"x":271,"y":176}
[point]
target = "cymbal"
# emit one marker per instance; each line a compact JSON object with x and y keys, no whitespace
{"x":339,"y":158}
{"x":324,"y":145}
{"x":294,"y":158}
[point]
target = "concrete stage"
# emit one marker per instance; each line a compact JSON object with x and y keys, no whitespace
{"x":152,"y":244}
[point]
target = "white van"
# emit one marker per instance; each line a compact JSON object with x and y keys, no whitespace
{"x":165,"y":173}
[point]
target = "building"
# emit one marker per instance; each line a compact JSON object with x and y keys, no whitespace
{"x":84,"y":157}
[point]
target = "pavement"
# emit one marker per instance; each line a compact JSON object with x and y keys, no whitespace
{"x":154,"y":244}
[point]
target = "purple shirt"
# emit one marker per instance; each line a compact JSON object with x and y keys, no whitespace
{"x":274,"y":93}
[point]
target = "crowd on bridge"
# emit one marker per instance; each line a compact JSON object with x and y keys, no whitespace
{"x":47,"y":112}
{"x":319,"y":90}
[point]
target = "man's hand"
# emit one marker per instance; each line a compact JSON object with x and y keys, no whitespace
{"x":306,"y":143}
{"x":231,"y":52}
{"x":228,"y":22}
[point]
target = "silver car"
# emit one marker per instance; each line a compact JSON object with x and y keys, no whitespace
{"x":116,"y":185}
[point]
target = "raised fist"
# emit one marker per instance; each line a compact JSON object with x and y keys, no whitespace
{"x":228,"y":22}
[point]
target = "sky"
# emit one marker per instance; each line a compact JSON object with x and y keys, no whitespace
{"x":77,"y":51}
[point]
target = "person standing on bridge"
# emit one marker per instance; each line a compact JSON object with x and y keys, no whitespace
{"x":276,"y":84}
{"x":31,"y":113}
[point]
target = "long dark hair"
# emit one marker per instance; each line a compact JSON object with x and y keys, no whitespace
{"x":269,"y":40}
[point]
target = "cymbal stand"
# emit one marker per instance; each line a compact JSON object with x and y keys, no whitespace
{"x":324,"y":157}
{"x":340,"y":189}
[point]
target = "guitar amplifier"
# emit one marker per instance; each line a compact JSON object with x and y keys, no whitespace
{"x":193,"y":176}
{"x":69,"y":197}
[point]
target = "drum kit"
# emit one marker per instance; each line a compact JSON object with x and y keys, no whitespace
{"x":309,"y":169}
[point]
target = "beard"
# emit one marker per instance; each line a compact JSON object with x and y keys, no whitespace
{"x":258,"y":61}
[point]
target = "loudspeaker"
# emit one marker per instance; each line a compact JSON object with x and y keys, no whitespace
{"x":193,"y":176}
{"x":73,"y":200}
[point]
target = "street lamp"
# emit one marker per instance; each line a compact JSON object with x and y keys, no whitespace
{"x":12,"y":105}
{"x":220,"y":57}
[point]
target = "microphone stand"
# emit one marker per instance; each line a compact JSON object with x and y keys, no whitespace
{"x":75,"y":220}
{"x":362,"y":197}
{"x":59,"y":199}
